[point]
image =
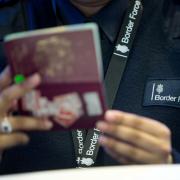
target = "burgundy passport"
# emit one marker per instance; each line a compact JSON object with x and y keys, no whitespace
{"x":69,"y":60}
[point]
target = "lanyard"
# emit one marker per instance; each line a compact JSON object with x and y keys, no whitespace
{"x":86,"y":145}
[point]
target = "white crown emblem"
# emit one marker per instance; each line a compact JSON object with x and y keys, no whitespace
{"x":86,"y":161}
{"x":160,"y":88}
{"x":122,"y":48}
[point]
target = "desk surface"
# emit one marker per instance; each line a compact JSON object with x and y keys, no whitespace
{"x":162,"y":172}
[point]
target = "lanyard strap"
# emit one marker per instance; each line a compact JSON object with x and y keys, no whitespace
{"x":87,"y":146}
{"x":122,"y":50}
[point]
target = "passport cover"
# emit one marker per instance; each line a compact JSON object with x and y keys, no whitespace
{"x":69,"y":61}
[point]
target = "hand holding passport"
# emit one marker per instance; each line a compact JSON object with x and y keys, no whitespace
{"x":69,"y":61}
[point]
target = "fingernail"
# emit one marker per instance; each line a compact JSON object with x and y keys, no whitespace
{"x":109,"y":115}
{"x":101,"y":126}
{"x":102,"y":140}
{"x":48,"y":124}
{"x":34,"y":80}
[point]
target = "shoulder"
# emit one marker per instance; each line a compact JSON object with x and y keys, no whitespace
{"x":12,"y":20}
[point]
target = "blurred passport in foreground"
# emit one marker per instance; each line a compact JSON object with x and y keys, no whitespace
{"x":69,"y":60}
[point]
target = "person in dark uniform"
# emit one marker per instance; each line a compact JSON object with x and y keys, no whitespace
{"x":148,"y":133}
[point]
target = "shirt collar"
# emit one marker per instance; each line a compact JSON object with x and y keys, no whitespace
{"x":68,"y":13}
{"x":109,"y":18}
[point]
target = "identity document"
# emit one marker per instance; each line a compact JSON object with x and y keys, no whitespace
{"x":69,"y":61}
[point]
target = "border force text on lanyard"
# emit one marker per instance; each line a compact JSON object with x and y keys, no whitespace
{"x":86,"y":144}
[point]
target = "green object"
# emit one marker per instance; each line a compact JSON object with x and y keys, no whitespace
{"x":19,"y":78}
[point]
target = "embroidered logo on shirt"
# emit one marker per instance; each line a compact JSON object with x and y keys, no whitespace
{"x":160,"y":88}
{"x":162,"y":93}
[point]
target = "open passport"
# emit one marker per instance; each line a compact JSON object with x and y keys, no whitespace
{"x":69,"y":61}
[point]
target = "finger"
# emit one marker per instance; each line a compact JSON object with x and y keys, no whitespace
{"x":16,"y":91}
{"x":137,"y":138}
{"x":10,"y":140}
{"x":131,"y":152}
{"x":29,"y":124}
{"x":14,"y":106}
{"x":142,"y":123}
{"x":5,"y":78}
{"x":120,"y":159}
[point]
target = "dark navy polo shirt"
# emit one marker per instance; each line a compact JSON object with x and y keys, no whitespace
{"x":152,"y":72}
